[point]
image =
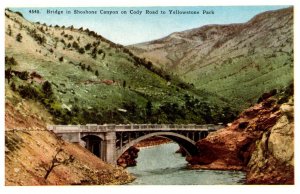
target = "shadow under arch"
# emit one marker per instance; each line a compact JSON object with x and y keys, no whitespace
{"x":93,"y":143}
{"x":187,"y":144}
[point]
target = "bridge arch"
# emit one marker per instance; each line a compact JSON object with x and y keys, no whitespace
{"x":94,"y":143}
{"x":187,"y":144}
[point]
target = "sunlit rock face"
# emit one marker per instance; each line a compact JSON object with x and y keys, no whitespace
{"x":273,"y":160}
{"x":260,"y":141}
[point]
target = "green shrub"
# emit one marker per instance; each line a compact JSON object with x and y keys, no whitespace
{"x":89,"y":68}
{"x":81,"y":50}
{"x":9,"y":31}
{"x":97,"y":73}
{"x":10,"y":61}
{"x":13,"y":86}
{"x":75,"y":45}
{"x":29,"y":92}
{"x":88,"y":46}
{"x":23,"y":75}
{"x":19,"y":37}
{"x":19,"y":13}
{"x":37,"y":37}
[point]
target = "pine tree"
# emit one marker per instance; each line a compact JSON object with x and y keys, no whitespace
{"x":149,"y":109}
{"x":47,"y":88}
{"x":97,"y":73}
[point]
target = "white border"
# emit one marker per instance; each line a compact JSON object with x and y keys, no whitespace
{"x":152,"y":189}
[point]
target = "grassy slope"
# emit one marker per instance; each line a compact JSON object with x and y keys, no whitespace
{"x":78,"y":89}
{"x":237,"y":61}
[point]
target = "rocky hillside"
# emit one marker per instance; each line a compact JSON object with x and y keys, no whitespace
{"x":260,"y":141}
{"x":237,"y":61}
{"x":30,"y":150}
{"x":81,"y":77}
{"x":29,"y":154}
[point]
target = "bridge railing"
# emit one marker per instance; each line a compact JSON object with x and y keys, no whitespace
{"x":130,"y":127}
{"x":66,"y":127}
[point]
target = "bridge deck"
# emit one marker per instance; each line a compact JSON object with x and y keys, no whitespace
{"x":114,"y":140}
{"x":131,"y":127}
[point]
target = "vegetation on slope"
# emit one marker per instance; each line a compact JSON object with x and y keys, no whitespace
{"x":80,"y":77}
{"x":237,"y":61}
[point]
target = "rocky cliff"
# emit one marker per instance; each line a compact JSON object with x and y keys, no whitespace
{"x":260,"y":141}
{"x":273,"y":158}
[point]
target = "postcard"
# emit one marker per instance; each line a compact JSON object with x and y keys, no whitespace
{"x":149,"y":95}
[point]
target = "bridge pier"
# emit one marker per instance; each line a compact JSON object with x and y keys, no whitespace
{"x":109,"y":148}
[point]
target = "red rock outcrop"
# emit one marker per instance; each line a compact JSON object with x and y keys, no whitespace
{"x":231,"y":147}
{"x":259,"y":141}
{"x":128,"y":157}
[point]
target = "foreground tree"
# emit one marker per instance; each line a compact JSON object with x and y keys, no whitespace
{"x":56,"y":161}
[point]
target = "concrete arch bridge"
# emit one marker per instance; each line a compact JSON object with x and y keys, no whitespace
{"x":109,"y":142}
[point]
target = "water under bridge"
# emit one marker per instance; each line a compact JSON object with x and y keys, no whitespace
{"x":110,"y":141}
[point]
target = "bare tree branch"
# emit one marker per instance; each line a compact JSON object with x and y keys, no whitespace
{"x":56,"y":161}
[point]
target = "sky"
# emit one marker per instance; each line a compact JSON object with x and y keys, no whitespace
{"x":130,"y":28}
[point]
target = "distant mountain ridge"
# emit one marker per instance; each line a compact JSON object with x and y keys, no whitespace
{"x":81,"y":77}
{"x":237,"y":61}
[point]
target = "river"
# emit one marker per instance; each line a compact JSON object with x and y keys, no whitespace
{"x":160,"y":165}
